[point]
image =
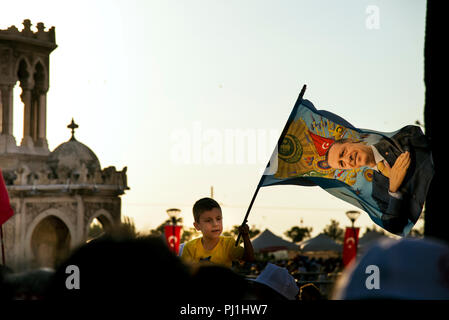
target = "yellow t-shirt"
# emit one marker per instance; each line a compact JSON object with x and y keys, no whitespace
{"x":224,"y":252}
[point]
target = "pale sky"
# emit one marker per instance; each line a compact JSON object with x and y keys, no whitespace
{"x":149,"y":80}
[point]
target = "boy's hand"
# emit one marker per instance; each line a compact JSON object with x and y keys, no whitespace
{"x":244,"y":230}
{"x":248,"y":254}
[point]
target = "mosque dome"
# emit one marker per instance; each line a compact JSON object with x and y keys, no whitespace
{"x":72,"y":155}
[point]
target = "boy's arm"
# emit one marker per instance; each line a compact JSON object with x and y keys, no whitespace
{"x":248,"y":253}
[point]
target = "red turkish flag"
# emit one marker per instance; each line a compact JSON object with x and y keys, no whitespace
{"x":6,"y":211}
{"x":350,"y":245}
{"x":173,"y":240}
{"x":322,"y":144}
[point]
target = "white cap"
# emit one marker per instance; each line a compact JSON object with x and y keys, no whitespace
{"x":280,"y":280}
{"x":398,"y":269}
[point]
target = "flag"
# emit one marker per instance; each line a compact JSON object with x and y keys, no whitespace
{"x":312,"y":136}
{"x":350,"y":245}
{"x":6,"y":211}
{"x":173,"y":240}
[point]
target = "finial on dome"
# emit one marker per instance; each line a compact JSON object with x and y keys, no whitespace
{"x":73,"y":126}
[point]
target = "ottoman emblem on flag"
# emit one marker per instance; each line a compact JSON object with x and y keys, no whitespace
{"x":303,"y":153}
{"x":290,"y":150}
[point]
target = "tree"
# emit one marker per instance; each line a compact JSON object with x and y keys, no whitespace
{"x":234,"y":232}
{"x":126,"y":229}
{"x":160,"y":229}
{"x":187,"y":233}
{"x":334,"y":231}
{"x":298,"y":234}
{"x":374,"y":228}
{"x":95,"y":230}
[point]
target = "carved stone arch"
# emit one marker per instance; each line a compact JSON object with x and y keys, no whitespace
{"x":40,"y":75}
{"x":59,"y":224}
{"x":38,"y":59}
{"x":103,"y":216}
{"x":24,"y":72}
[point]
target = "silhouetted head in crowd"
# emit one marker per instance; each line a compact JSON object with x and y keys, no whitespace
{"x":215,"y":283}
{"x":405,"y":269}
{"x":28,"y":285}
{"x":309,"y":292}
{"x":260,"y":291}
{"x":6,"y":291}
{"x":122,"y":269}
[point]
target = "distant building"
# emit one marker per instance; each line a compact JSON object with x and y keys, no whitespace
{"x":55,"y":195}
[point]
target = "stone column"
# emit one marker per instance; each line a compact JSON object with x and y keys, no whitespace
{"x":80,"y":227}
{"x":42,"y":122}
{"x":22,"y":258}
{"x":7,"y":108}
{"x":27,"y":140}
{"x":34,"y":116}
{"x":18,"y":243}
{"x":7,"y":141}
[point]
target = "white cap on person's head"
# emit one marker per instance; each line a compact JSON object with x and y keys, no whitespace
{"x":408,"y":269}
{"x":279,"y":279}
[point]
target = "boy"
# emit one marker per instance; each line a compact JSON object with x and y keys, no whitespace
{"x":212,"y":246}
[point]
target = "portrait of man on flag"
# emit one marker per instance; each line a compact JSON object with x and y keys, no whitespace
{"x":386,"y":174}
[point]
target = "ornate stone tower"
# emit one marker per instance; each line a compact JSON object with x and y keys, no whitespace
{"x":24,"y":58}
{"x":55,"y":195}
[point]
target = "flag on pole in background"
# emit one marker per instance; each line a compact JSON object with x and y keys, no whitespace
{"x":173,"y":237}
{"x":350,"y":245}
{"x":311,"y":136}
{"x":6,"y":211}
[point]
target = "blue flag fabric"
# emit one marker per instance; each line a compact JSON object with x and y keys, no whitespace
{"x":301,"y":158}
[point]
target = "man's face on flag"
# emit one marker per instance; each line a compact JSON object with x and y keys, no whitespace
{"x":350,"y":155}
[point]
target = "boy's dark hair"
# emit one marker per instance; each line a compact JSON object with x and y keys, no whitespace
{"x":204,"y":204}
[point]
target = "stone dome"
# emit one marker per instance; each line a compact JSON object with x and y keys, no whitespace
{"x":71,"y":156}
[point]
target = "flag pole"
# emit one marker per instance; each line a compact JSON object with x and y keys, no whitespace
{"x":3,"y":245}
{"x":281,"y":137}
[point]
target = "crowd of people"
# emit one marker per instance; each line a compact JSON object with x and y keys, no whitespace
{"x":297,"y":266}
{"x":118,"y":267}
{"x":304,"y":269}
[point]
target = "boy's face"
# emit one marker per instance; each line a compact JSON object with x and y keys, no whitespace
{"x":210,"y":224}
